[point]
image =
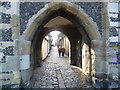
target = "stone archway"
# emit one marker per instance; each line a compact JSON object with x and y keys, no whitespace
{"x":85,"y":20}
{"x":48,"y":12}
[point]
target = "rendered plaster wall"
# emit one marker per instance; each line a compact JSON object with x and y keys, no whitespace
{"x":45,"y":48}
{"x":67,"y":46}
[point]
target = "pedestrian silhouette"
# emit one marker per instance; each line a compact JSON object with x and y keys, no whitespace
{"x":63,"y":51}
{"x":59,"y":51}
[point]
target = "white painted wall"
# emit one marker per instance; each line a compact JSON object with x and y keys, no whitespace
{"x":45,"y":48}
{"x":66,"y":45}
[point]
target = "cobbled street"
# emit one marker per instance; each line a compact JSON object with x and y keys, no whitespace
{"x":57,"y":73}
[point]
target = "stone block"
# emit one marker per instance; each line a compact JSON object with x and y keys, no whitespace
{"x":31,"y":28}
{"x":57,"y":5}
{"x":15,"y":31}
{"x":1,"y":55}
{"x":101,"y":75}
{"x":72,"y":9}
{"x":6,"y":78}
{"x":12,"y":64}
{"x":12,"y":78}
{"x":111,"y":52}
{"x":93,"y":30}
{"x":14,"y":21}
{"x":7,"y":44}
{"x":114,"y":73}
{"x":99,"y":64}
{"x":110,"y":76}
{"x":26,"y":75}
{"x":96,"y":43}
{"x":25,"y":62}
{"x":5,"y":82}
{"x":83,"y":17}
{"x":24,"y":47}
{"x":16,"y":78}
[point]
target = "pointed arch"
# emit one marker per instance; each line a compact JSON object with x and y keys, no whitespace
{"x":44,"y":15}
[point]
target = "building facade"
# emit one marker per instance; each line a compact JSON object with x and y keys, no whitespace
{"x":22,"y":29}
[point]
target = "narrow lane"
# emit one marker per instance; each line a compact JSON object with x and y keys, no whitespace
{"x":57,"y":73}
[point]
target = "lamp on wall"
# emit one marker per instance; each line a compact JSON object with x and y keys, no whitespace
{"x":60,"y":37}
{"x":78,"y":41}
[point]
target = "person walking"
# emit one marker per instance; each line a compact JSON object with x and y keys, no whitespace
{"x":63,"y":51}
{"x":59,"y":51}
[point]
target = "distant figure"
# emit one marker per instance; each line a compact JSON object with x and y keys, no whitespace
{"x":63,"y":51}
{"x":59,"y":51}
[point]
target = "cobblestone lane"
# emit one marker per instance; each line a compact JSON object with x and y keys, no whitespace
{"x":57,"y":73}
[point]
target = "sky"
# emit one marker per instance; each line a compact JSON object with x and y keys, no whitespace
{"x":54,"y":35}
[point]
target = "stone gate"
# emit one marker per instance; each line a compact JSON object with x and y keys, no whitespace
{"x":22,"y":31}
